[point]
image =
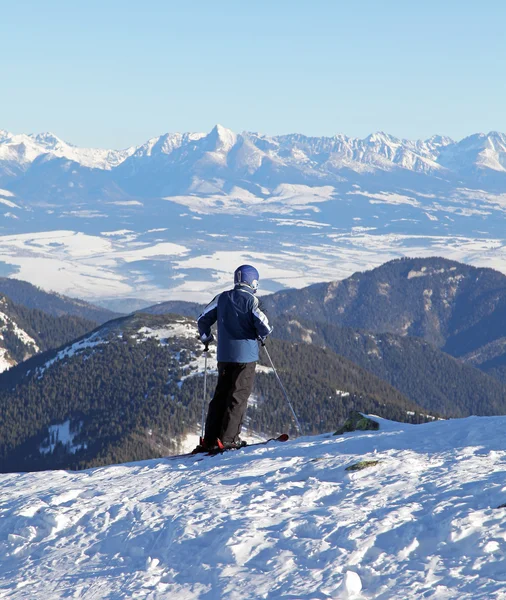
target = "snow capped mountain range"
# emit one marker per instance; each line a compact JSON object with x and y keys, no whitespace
{"x":248,"y":151}
{"x":24,"y":149}
{"x":170,"y":218}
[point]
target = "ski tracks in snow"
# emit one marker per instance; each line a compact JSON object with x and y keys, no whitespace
{"x":270,"y":522}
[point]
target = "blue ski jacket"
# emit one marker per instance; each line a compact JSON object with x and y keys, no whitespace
{"x":240,"y":323}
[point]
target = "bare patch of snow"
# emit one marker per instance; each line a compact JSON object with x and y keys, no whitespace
{"x":61,"y":433}
{"x":6,"y":362}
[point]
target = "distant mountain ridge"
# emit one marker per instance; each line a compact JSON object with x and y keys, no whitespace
{"x":350,"y":203}
{"x":20,"y":150}
{"x":377,"y":150}
{"x":57,"y":305}
{"x":180,"y":163}
{"x":458,"y":308}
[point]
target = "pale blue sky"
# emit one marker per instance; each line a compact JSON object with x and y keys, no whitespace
{"x":113,"y":73}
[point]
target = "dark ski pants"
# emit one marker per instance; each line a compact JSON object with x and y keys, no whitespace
{"x":228,"y":406}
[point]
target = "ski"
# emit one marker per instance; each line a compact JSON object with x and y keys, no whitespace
{"x":284,"y":437}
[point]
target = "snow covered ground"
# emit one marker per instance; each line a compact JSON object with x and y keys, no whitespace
{"x":122,"y":263}
{"x":282,"y":520}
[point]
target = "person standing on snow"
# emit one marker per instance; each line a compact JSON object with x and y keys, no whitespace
{"x":240,"y":323}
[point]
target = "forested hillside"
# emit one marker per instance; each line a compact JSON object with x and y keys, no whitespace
{"x":25,"y":331}
{"x":459,"y":308}
{"x":178,"y":307}
{"x":419,"y":370}
{"x":132,"y":389}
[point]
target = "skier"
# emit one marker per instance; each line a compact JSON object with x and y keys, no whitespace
{"x":241,"y":323}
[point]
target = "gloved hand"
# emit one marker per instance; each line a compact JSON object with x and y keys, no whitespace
{"x":206,"y":339}
{"x":262,"y":340}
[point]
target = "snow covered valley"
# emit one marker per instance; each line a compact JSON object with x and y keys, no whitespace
{"x":281,"y":520}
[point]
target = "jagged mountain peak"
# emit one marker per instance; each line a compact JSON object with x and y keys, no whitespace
{"x":382,"y":138}
{"x":165,"y":144}
{"x":496,"y":140}
{"x":482,"y":140}
{"x":439,"y":140}
{"x":477,"y":151}
{"x":222,"y":138}
{"x":25,"y":149}
{"x":49,"y":140}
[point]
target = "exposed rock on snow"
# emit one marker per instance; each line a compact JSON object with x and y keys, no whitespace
{"x":363,"y":464}
{"x":357,"y":422}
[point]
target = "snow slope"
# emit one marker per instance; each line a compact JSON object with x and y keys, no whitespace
{"x":272,"y":521}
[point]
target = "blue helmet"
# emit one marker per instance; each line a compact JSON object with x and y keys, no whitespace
{"x":247,"y":275}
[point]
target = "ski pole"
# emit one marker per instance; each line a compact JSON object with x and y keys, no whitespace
{"x":297,"y":424}
{"x":206,"y":350}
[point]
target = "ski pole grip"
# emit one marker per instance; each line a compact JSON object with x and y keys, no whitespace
{"x":262,"y":342}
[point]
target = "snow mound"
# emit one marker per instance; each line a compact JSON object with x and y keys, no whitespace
{"x":281,"y":520}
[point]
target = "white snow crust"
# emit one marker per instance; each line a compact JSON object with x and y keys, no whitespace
{"x":92,"y":266}
{"x":181,"y":329}
{"x":276,"y":521}
{"x":285,"y":199}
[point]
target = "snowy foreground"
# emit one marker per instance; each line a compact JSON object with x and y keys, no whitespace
{"x":277,"y":521}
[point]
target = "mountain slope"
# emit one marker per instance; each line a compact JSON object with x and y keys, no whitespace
{"x":27,"y":331}
{"x":451,"y":305}
{"x":420,"y":371}
{"x":128,"y":391}
{"x":22,"y":292}
{"x":285,"y":521}
{"x":424,"y":373}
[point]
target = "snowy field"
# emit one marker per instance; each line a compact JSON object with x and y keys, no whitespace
{"x":276,"y":521}
{"x":116,"y":264}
